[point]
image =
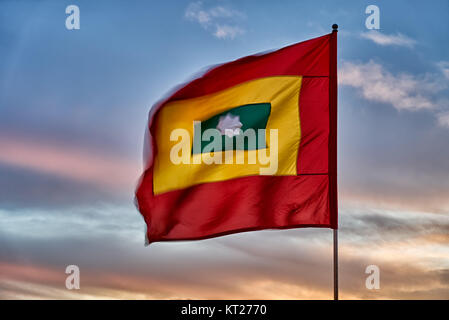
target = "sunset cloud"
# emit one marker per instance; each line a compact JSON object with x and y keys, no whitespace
{"x":69,"y":162}
{"x":287,"y":264}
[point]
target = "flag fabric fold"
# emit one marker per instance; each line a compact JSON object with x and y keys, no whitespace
{"x":249,"y":145}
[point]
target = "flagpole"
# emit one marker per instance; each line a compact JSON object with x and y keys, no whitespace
{"x":335,"y":264}
{"x":333,"y":106}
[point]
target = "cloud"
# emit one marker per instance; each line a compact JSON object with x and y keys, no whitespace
{"x":28,"y":188}
{"x":225,"y":31}
{"x":395,"y":226}
{"x":76,"y":164}
{"x":443,"y":119}
{"x":388,"y":40}
{"x":403,"y":91}
{"x":444,"y":67}
{"x":287,"y":264}
{"x":219,"y":20}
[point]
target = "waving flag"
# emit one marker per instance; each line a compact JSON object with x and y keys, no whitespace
{"x":249,"y":145}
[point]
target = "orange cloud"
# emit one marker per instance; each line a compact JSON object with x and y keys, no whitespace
{"x":77,"y":164}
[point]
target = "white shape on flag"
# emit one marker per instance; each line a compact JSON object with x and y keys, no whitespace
{"x":229,"y":125}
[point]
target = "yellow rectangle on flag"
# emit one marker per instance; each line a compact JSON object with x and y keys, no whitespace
{"x":282,"y":92}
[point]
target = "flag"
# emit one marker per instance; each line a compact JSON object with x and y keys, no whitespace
{"x":249,"y":145}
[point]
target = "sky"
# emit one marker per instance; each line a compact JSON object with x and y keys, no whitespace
{"x":73,"y":110}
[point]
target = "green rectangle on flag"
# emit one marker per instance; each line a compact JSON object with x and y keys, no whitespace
{"x":232,"y":125}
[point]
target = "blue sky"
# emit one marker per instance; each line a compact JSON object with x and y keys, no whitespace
{"x":73,"y":111}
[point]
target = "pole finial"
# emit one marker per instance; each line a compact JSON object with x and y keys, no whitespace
{"x":335,"y":27}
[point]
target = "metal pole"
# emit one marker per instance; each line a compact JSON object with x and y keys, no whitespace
{"x":335,"y":264}
{"x":333,"y":151}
